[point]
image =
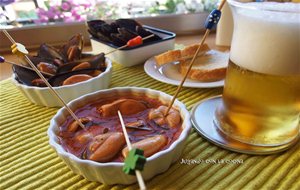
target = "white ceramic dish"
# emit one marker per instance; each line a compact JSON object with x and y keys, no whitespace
{"x":111,"y":172}
{"x":44,"y":97}
{"x":169,"y":74}
{"x":137,"y":55}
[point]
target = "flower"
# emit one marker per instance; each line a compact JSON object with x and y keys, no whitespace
{"x":6,"y":2}
{"x":64,"y":10}
{"x":66,"y":6}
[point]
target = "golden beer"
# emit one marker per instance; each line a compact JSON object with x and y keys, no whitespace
{"x":261,"y":97}
{"x":259,"y":108}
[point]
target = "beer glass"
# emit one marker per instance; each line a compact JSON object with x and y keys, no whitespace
{"x":261,"y":97}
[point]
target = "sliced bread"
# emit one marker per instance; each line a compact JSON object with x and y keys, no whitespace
{"x":176,"y":55}
{"x":209,"y":67}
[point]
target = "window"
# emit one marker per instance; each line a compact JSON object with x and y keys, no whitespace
{"x":43,"y":18}
{"x":22,"y":12}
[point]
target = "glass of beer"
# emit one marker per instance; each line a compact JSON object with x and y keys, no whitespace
{"x":261,"y":97}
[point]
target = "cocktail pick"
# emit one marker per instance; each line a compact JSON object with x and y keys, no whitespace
{"x":2,"y":60}
{"x":211,"y":21}
{"x":133,"y":42}
{"x":21,"y":52}
{"x":135,"y":160}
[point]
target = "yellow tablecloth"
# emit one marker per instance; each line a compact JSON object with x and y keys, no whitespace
{"x":28,"y":162}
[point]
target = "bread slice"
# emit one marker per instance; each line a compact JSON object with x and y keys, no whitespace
{"x":189,"y":51}
{"x":176,"y":55}
{"x":167,"y":57}
{"x":207,"y":68}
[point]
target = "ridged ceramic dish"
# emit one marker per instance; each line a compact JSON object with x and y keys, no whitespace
{"x":44,"y":97}
{"x":111,"y":172}
{"x":139,"y":54}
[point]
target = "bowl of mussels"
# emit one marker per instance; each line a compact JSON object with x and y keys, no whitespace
{"x":70,"y":71}
{"x":106,"y":37}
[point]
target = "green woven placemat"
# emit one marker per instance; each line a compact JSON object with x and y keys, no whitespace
{"x":28,"y":162}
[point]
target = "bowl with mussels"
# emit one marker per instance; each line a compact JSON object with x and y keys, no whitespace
{"x":70,"y":71}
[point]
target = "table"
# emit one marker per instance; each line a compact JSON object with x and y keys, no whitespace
{"x":28,"y":162}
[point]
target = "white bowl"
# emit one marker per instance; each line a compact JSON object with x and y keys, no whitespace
{"x":111,"y":172}
{"x":139,"y":54}
{"x":44,"y":97}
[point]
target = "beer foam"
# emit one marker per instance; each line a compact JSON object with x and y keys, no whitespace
{"x":265,"y":40}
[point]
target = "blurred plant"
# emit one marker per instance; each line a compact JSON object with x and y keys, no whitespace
{"x":65,"y":10}
{"x":104,"y":10}
{"x":80,"y":10}
{"x":181,"y":6}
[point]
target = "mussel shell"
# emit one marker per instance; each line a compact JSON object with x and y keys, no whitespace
{"x":58,"y":80}
{"x":117,"y":39}
{"x":104,"y":38}
{"x":36,"y":60}
{"x":127,"y":23}
{"x":95,"y":29}
{"x":106,"y":29}
{"x":49,"y":52}
{"x":95,"y":26}
{"x":76,"y":40}
{"x":25,"y":76}
{"x":97,"y":62}
{"x":119,"y":32}
{"x":127,"y":34}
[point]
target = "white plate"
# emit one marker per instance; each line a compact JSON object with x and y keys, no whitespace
{"x":169,"y":74}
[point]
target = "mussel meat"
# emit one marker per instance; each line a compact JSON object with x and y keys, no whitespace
{"x":96,"y":62}
{"x":73,"y":49}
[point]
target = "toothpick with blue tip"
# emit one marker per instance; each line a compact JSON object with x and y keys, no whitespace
{"x":210,"y":23}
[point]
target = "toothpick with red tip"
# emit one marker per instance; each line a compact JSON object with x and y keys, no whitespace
{"x":131,"y":43}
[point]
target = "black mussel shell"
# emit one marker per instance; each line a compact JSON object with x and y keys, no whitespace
{"x":85,"y":55}
{"x":118,"y":40}
{"x":127,"y":23}
{"x":95,"y":26}
{"x":58,"y":80}
{"x":119,"y":32}
{"x":102,"y":37}
{"x":127,"y":34}
{"x":97,"y":62}
{"x":36,"y":60}
{"x":106,"y":29}
{"x":25,"y":76}
{"x":114,"y":27}
{"x":49,"y":52}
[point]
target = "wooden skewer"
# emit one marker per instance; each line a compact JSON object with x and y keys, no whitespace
{"x":46,"y":82}
{"x":137,"y":172}
{"x":191,"y":63}
{"x":23,"y":66}
{"x":122,"y":47}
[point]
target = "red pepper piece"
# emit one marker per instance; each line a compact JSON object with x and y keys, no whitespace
{"x":135,"y":41}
